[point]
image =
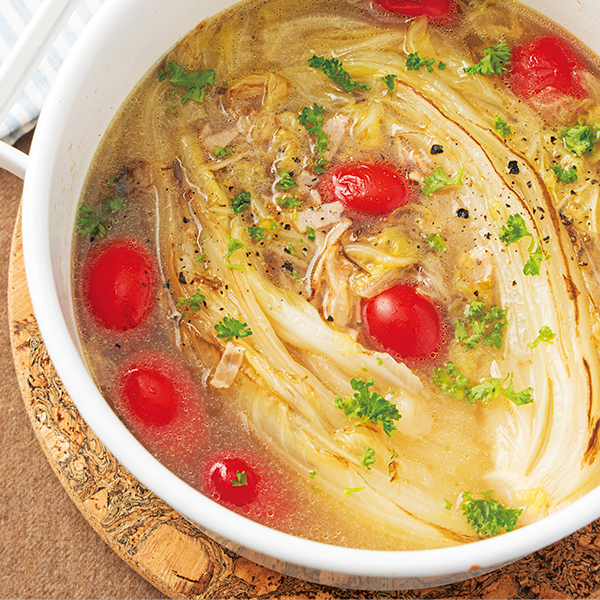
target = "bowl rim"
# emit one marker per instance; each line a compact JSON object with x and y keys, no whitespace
{"x":39,"y":182}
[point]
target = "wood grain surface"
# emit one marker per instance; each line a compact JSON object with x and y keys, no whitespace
{"x":182,"y":562}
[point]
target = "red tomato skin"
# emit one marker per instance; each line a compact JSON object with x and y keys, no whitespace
{"x":160,"y":402}
{"x":119,"y":284}
{"x":223,"y":472}
{"x":151,"y":394}
{"x":546,"y":64}
{"x":444,"y":12}
{"x":366,"y":188}
{"x":403,"y":323}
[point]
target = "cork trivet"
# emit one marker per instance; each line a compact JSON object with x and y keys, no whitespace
{"x":179,"y":560}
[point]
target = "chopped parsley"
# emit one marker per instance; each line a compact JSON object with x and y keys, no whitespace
{"x":310,"y":233}
{"x":230,"y":328}
{"x":367,"y":405}
{"x":348,"y":491}
{"x":565,"y":175}
{"x":288,"y":202}
{"x":436,"y":181}
{"x":312,"y":120}
{"x":453,"y":383}
{"x":390,"y":83}
{"x":233,"y":244}
{"x":494,"y":62}
{"x":221,"y":152}
{"x":545,"y":335}
{"x":414,"y":62}
{"x":286,"y":182}
{"x":257,"y":233}
{"x":195,"y":302}
{"x":240,"y":479}
{"x":436,"y":242}
{"x":501,"y":126}
{"x":580,"y":139}
{"x":312,"y":474}
{"x":333,"y":68}
{"x":516,"y":229}
{"x":368,"y":458}
{"x":93,"y":224}
{"x":487,"y":516}
{"x":195,"y":83}
{"x":240,"y":202}
{"x":483,"y":326}
{"x":320,"y":164}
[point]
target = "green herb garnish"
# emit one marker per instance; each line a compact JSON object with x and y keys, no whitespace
{"x":437,"y":180}
{"x":312,"y":474}
{"x":194,"y":302}
{"x":502,"y":127}
{"x":240,"y":202}
{"x":233,"y":244}
{"x":221,"y":152}
{"x":286,"y":182}
{"x":320,"y":164}
{"x":257,"y":233}
{"x":545,"y":335}
{"x":415,"y":63}
{"x":348,"y":491}
{"x":580,"y":139}
{"x":487,"y":516}
{"x":456,"y":385}
{"x":369,"y":406}
{"x":484,"y":326}
{"x":516,"y":229}
{"x":368,"y":458}
{"x":565,"y":175}
{"x":240,"y":479}
{"x":310,"y":233}
{"x":93,"y":224}
{"x":333,"y":68}
{"x":390,"y":83}
{"x":230,"y":328}
{"x":494,"y":61}
{"x":195,"y":83}
{"x":436,"y":242}
{"x":312,"y":120}
{"x":288,"y":202}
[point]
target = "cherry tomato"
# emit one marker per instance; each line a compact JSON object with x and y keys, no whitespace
{"x":546,"y":64}
{"x":119,"y":284}
{"x":162,"y":404}
{"x":151,"y":394}
{"x":437,"y":11}
{"x":366,"y":188}
{"x":242,"y":481}
{"x":235,"y":481}
{"x":403,"y":323}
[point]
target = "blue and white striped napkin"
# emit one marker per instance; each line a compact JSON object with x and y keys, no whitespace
{"x":14,"y":16}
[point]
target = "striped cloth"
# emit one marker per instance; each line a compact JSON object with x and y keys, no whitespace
{"x":14,"y":16}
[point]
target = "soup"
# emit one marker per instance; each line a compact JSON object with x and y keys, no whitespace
{"x":335,"y":267}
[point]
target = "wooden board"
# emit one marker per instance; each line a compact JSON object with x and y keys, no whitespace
{"x":182,"y":562}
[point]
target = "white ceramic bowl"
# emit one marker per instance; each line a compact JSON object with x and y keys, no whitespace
{"x":122,"y":42}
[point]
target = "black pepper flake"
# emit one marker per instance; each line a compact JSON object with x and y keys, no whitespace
{"x":182,"y":278}
{"x":573,"y":193}
{"x":488,"y":235}
{"x":463,"y":213}
{"x":547,"y":239}
{"x":553,"y":139}
{"x":514,"y":283}
{"x":330,"y":319}
{"x":286,"y":251}
{"x":287,"y":265}
{"x":513,"y":167}
{"x":118,"y":345}
{"x":287,"y":226}
{"x":186,"y":220}
{"x":594,"y":182}
{"x":476,"y":293}
{"x":436,"y":149}
{"x":147,"y":241}
{"x":529,"y":184}
{"x":166,"y":285}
